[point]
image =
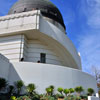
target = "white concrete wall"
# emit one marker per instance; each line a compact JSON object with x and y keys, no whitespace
{"x":56,"y":24}
{"x":93,"y":98}
{"x":15,"y":47}
{"x":44,"y":75}
{"x":31,"y":21}
{"x":4,"y":67}
{"x":36,"y":47}
{"x":55,"y":33}
{"x":15,"y":22}
{"x":11,"y":47}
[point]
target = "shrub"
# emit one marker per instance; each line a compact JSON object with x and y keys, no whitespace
{"x":70,"y":97}
{"x":77,"y":98}
{"x":23,"y":98}
{"x":52,"y":87}
{"x":60,"y":90}
{"x":31,"y":88}
{"x":19,"y":84}
{"x":10,"y":90}
{"x":47,"y":98}
{"x":3,"y":97}
{"x":66,"y":91}
{"x":84,"y":97}
{"x":50,"y":90}
{"x":57,"y":96}
{"x":90,"y":91}
{"x":13,"y":98}
{"x":3,"y":83}
{"x":71,"y":90}
{"x":31,"y":92}
{"x":79,"y":89}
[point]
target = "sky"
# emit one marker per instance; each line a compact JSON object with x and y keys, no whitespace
{"x":82,"y":20}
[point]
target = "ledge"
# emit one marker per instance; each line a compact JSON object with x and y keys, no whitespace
{"x":24,"y":14}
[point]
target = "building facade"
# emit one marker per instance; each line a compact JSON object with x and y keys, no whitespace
{"x":35,"y":48}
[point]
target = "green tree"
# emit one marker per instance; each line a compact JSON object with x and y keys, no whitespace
{"x":31,"y":89}
{"x":32,"y":93}
{"x":71,"y":90}
{"x":3,"y":83}
{"x":66,"y":91}
{"x":52,"y":87}
{"x":79,"y":89}
{"x":60,"y":90}
{"x":50,"y":90}
{"x":90,"y":91}
{"x":19,"y":84}
{"x":10,"y":90}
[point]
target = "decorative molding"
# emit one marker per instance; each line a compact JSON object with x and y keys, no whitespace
{"x":24,"y":14}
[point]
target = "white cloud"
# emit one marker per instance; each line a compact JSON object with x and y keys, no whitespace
{"x":91,"y":9}
{"x":90,"y":50}
{"x":90,"y":39}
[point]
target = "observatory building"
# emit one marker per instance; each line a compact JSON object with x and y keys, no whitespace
{"x":34,"y":47}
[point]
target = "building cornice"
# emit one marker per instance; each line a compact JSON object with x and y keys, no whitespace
{"x":24,"y":14}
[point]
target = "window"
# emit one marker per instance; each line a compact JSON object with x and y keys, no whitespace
{"x":43,"y":58}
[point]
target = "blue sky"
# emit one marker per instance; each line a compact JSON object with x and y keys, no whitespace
{"x":82,"y":20}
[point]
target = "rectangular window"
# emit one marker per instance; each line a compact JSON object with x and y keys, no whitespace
{"x":43,"y":58}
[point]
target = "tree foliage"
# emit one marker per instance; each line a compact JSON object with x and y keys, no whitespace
{"x":50,"y":90}
{"x":60,"y":90}
{"x":19,"y":84}
{"x":66,"y":91}
{"x":3,"y":83}
{"x":31,"y":88}
{"x":71,"y":90}
{"x":90,"y":91}
{"x":79,"y":89}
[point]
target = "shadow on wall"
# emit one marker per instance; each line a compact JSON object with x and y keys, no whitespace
{"x":7,"y":70}
{"x":13,"y":76}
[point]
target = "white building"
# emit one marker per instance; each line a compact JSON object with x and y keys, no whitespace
{"x":36,"y":49}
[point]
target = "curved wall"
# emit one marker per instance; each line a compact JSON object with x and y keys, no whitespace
{"x":55,"y":23}
{"x":55,"y":33}
{"x":31,"y":21}
{"x":44,"y":75}
{"x":36,"y":47}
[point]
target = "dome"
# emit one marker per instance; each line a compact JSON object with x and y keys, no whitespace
{"x":48,"y":9}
